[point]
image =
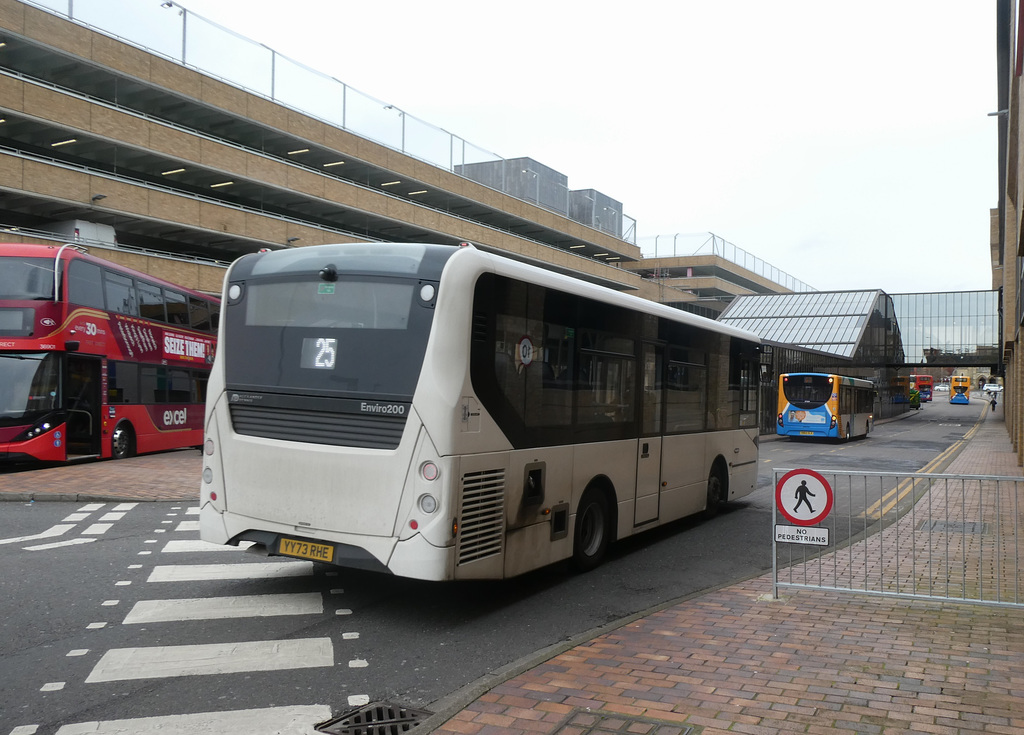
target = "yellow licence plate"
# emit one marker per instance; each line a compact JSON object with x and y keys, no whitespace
{"x":306,"y":550}
{"x":807,"y":433}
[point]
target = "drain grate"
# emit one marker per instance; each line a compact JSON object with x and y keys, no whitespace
{"x":953,"y":526}
{"x":376,"y":718}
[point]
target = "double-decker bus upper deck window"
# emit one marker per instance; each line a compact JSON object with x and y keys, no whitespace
{"x":29,"y":279}
{"x":199,"y":313}
{"x":177,"y":307}
{"x":85,"y":284}
{"x":120,"y":293}
{"x":151,"y":302}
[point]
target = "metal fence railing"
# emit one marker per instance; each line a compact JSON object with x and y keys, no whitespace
{"x":919,"y":535}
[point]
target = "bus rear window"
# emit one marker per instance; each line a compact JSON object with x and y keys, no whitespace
{"x":330,"y":305}
{"x":807,"y":391}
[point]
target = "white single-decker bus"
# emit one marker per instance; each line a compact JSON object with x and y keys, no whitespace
{"x":441,"y":412}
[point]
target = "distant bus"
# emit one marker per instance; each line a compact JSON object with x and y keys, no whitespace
{"x":443,"y":413}
{"x":97,"y":360}
{"x":899,"y":389}
{"x":959,"y":389}
{"x":924,"y":384}
{"x":824,"y":405}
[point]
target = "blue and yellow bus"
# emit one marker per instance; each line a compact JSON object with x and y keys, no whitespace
{"x":959,"y":389}
{"x":825,"y":405}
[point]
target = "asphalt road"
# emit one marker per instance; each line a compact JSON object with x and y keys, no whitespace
{"x":122,"y":615}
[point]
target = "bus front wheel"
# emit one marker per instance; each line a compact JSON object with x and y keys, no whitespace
{"x":718,"y":489}
{"x":590,"y":537}
{"x":122,"y":441}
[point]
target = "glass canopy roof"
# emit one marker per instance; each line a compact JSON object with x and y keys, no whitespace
{"x":832,"y":321}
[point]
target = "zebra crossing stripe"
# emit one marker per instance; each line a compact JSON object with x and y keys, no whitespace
{"x":161,"y":662}
{"x":48,"y":533}
{"x":189,"y":526}
{"x":217,"y":608}
{"x":58,"y":544}
{"x":190,"y":545}
{"x":205,"y":572}
{"x":294,"y":720}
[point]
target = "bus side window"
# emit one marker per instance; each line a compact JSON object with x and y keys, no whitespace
{"x":199,"y":381}
{"x":120,"y":293}
{"x":199,"y":314}
{"x":151,"y":302}
{"x":179,"y":386}
{"x":85,"y":286}
{"x":153,"y":388}
{"x":122,"y":382}
{"x":177,"y":308}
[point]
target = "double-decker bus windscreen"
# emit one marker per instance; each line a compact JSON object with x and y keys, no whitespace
{"x":807,"y":391}
{"x":29,"y":384}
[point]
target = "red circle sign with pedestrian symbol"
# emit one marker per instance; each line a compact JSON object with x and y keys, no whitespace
{"x":804,"y":497}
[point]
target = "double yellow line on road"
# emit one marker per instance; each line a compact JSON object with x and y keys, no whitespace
{"x":892,"y":498}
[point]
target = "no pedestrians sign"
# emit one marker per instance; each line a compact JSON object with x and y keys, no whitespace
{"x":805,"y":498}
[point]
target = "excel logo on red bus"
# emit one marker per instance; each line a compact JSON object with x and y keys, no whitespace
{"x":176,"y":417}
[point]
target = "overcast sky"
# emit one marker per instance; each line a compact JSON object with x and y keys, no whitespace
{"x":848,"y":144}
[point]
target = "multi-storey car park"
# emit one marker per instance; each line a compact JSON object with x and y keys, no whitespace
{"x":102,"y":125}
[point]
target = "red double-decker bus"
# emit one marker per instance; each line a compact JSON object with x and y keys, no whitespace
{"x":98,"y":360}
{"x":924,"y":384}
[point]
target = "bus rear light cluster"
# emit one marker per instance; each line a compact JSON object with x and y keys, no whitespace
{"x":429,"y":471}
{"x":208,"y":447}
{"x":428,"y":503}
{"x":780,"y":419}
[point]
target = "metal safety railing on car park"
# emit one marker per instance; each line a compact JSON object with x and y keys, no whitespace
{"x":916,"y":535}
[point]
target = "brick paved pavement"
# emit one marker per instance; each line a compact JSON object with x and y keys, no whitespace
{"x":730,"y":660}
{"x":164,"y":476}
{"x":734,"y":660}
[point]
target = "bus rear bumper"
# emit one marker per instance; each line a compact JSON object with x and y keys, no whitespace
{"x":415,"y":557}
{"x":211,"y":525}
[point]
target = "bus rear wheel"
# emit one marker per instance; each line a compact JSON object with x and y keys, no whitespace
{"x":591,"y":534}
{"x":122,"y":441}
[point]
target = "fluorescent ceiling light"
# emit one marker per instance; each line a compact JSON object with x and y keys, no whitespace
{"x":390,"y":183}
{"x":300,"y":150}
{"x":615,"y":258}
{"x":600,"y":255}
{"x":421,"y":191}
{"x":576,"y":247}
{"x":172,"y":171}
{"x":333,"y":163}
{"x":223,"y":183}
{"x":63,"y":142}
